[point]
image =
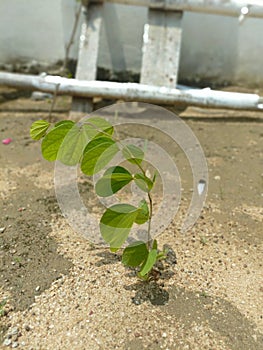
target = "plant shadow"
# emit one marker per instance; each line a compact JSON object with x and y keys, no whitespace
{"x":148,"y":291}
{"x":219,"y":314}
{"x":195,"y":309}
{"x":108,"y":258}
{"x":30,"y":261}
{"x":153,"y":290}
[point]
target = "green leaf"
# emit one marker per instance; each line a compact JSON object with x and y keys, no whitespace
{"x":64,"y":122}
{"x":71,"y":149}
{"x":116,"y":223}
{"x":161,"y":256}
{"x":97,"y":127}
{"x":143,"y":182}
{"x":114,"y":179}
{"x":53,"y":140}
{"x":133,"y":154}
{"x":154,"y":177}
{"x":149,"y":263}
{"x":143,"y":213}
{"x":97,"y":154}
{"x":155,"y":244}
{"x":38,"y":129}
{"x":135,"y":254}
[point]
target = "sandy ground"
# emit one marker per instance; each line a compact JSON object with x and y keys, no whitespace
{"x":59,"y":292}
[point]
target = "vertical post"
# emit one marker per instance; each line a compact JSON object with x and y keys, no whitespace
{"x":161,"y":48}
{"x":88,"y":54}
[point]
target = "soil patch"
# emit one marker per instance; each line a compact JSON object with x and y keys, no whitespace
{"x":59,"y":292}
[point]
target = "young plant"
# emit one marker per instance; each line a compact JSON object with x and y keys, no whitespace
{"x":92,"y":145}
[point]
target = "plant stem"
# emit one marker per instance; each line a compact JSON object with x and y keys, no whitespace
{"x":149,"y":238}
{"x":53,"y":103}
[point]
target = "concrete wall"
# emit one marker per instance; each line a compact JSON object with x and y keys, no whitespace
{"x":214,"y":48}
{"x":31,"y":29}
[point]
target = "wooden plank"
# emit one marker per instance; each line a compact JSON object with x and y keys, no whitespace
{"x":88,"y":54}
{"x":161,"y":48}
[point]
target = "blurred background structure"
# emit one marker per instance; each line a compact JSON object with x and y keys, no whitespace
{"x":215,"y":50}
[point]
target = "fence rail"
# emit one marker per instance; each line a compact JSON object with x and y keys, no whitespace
{"x":134,"y":92}
{"x":236,"y":8}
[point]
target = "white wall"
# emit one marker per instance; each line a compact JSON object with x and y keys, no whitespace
{"x":122,"y":36}
{"x":30,"y":29}
{"x":214,"y":48}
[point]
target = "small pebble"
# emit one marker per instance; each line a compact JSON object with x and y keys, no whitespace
{"x":13,"y":331}
{"x":2,"y":229}
{"x":40,"y":96}
{"x":254,"y":336}
{"x":7,"y":342}
{"x":21,"y":209}
{"x":27,"y":328}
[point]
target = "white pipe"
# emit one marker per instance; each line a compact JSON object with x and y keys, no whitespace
{"x":251,"y":8}
{"x":133,"y":92}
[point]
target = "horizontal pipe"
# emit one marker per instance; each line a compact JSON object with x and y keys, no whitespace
{"x":133,"y":92}
{"x":236,"y":8}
